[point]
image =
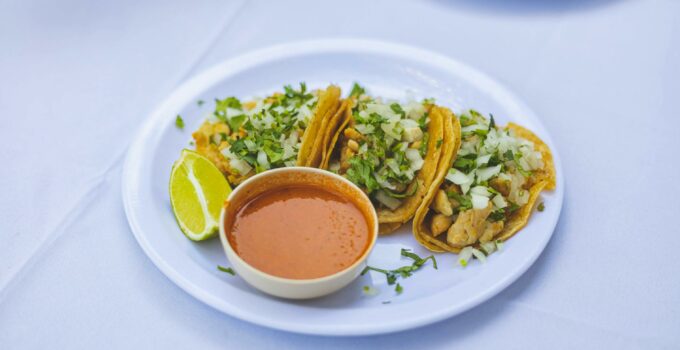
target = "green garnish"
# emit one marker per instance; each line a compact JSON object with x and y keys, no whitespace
{"x":397,"y":109}
{"x":386,"y":301}
{"x":541,"y":207}
{"x":508,"y":155}
{"x":464,"y":202}
{"x":200,"y":103}
{"x":179,"y":122}
{"x":428,"y":101}
{"x":228,"y":270}
{"x":361,"y":173}
{"x":404,"y":271}
{"x":357,"y":90}
{"x":492,"y":123}
{"x":439,"y":143}
{"x":466,"y":163}
{"x":497,"y":215}
{"x":423,"y":144}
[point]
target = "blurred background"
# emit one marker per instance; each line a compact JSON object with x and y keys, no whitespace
{"x":78,"y":77}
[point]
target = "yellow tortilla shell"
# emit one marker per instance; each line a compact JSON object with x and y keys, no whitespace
{"x":450,"y":148}
{"x":326,"y":108}
{"x":544,"y":179}
{"x":335,"y":126}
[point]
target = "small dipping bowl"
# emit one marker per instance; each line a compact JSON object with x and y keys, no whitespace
{"x":285,"y":177}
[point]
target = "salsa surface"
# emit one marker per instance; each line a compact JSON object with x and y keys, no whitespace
{"x":300,"y":232}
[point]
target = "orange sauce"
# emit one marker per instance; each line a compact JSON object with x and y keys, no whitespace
{"x":300,"y":232}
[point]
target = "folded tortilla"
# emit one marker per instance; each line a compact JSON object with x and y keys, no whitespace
{"x":540,"y":179}
{"x":300,"y":144}
{"x":337,"y":139}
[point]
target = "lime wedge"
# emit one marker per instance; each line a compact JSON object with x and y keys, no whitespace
{"x":197,"y":192}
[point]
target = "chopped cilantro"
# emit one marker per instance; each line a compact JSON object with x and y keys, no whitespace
{"x":497,"y":215}
{"x":466,"y":163}
{"x":464,"y":202}
{"x":361,"y":173}
{"x":386,"y":301}
{"x":200,"y":103}
{"x":541,"y":207}
{"x":179,"y":122}
{"x":439,"y":143}
{"x":357,"y":90}
{"x":512,"y":207}
{"x":508,"y":155}
{"x":396,"y":108}
{"x":229,"y":102}
{"x":404,"y":271}
{"x":228,"y":270}
{"x":423,"y":144}
{"x":492,"y":123}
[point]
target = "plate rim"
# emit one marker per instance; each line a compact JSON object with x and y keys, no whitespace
{"x":253,"y":58}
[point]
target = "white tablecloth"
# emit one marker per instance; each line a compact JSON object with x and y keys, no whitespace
{"x":78,"y":77}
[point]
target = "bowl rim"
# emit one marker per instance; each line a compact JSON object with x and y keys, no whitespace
{"x":274,"y":172}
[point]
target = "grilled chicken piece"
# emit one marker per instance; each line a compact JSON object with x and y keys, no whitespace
{"x":468,"y":227}
{"x":440,"y":223}
{"x":500,"y":185}
{"x":490,"y":231}
{"x":441,"y":203}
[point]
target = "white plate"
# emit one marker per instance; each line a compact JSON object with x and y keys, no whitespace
{"x":385,"y":69}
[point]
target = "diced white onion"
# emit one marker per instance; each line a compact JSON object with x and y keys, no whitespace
{"x":473,"y":127}
{"x":414,"y":110}
{"x":499,"y":202}
{"x":482,"y":160}
{"x":262,"y":159}
{"x":392,"y":130}
{"x":479,"y":255}
{"x":412,"y":134}
{"x":250,"y":145}
{"x":416,"y":160}
{"x":392,"y":164}
{"x":479,"y":202}
{"x":388,"y":201}
{"x":481,"y":191}
{"x":288,"y":151}
{"x":461,"y":179}
{"x":235,"y":163}
{"x":409,"y":123}
{"x":364,"y":129}
{"x":382,"y":181}
{"x":464,"y":256}
{"x":484,"y":174}
{"x":488,"y":247}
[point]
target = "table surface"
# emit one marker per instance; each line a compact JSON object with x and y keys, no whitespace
{"x":78,"y":77}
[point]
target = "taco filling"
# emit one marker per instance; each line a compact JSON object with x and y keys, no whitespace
{"x":383,"y":149}
{"x":245,"y":138}
{"x":391,"y":150}
{"x":493,"y":176}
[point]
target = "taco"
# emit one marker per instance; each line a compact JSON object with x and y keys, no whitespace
{"x":245,"y":138}
{"x":486,"y":193}
{"x":389,"y":149}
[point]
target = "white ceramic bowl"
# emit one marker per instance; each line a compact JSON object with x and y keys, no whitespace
{"x":286,"y":287}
